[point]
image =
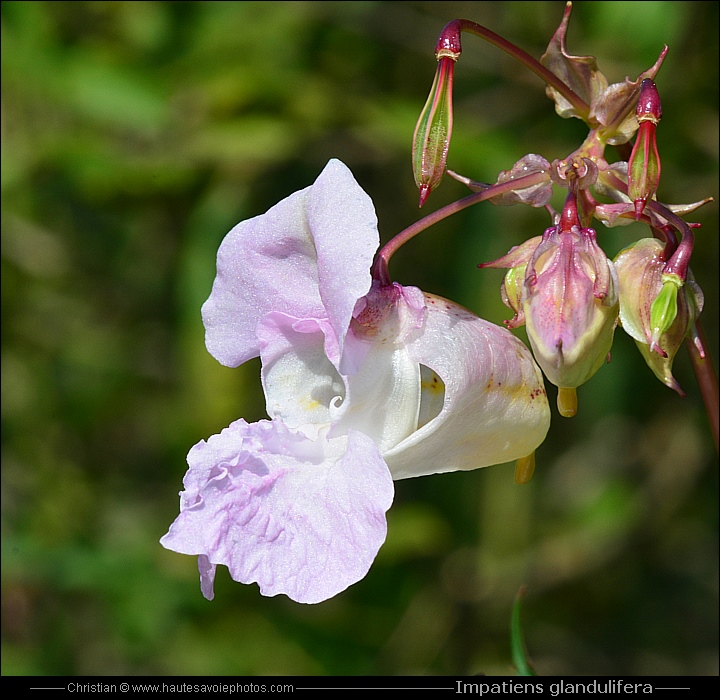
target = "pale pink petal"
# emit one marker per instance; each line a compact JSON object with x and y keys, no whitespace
{"x":309,"y":256}
{"x":299,"y":517}
{"x":263,"y":264}
{"x":207,"y":577}
{"x":494,"y":410}
{"x":518,"y":255}
{"x":343,"y":222}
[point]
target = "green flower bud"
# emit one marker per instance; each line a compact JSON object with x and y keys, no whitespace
{"x":571,"y":308}
{"x":657,"y":310}
{"x":571,"y":305}
{"x":434,"y":128}
{"x":512,"y":293}
{"x":663,"y":311}
{"x":564,"y":288}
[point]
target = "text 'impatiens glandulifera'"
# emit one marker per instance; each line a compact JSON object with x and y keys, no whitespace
{"x":365,"y":381}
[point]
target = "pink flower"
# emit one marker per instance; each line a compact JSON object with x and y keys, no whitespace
{"x":364,"y":384}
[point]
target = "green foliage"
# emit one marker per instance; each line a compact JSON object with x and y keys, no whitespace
{"x":135,"y":135}
{"x":517,"y":639}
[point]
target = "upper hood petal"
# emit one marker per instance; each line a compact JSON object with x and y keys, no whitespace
{"x":309,"y":256}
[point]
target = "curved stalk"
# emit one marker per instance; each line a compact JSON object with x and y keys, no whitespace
{"x":450,"y":40}
{"x":706,"y":378}
{"x":697,"y":346}
{"x":380,"y":266}
{"x":680,"y":259}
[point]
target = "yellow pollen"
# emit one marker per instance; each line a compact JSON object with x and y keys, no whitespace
{"x":524,"y":468}
{"x":567,"y":401}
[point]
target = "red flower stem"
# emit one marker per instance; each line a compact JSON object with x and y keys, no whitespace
{"x":706,"y":378}
{"x":697,"y":347}
{"x":450,"y":41}
{"x":680,"y":259}
{"x":380,"y":267}
{"x":665,"y":235}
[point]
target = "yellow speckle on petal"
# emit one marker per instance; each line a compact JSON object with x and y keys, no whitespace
{"x":433,"y":385}
{"x":309,"y":404}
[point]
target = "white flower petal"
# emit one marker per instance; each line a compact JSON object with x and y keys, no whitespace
{"x":383,"y":398}
{"x":495,"y":409}
{"x":299,"y":380}
{"x":383,"y":380}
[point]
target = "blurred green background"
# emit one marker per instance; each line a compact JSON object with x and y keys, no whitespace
{"x":134,"y":136}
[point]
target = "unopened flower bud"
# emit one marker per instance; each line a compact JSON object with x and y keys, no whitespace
{"x":644,"y":165}
{"x":512,"y":291}
{"x":432,"y":133}
{"x":648,"y":107}
{"x":569,"y":302}
{"x":663,"y":311}
{"x":571,"y":306}
{"x":657,"y":310}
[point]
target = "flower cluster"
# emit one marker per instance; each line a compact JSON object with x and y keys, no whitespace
{"x":365,"y":382}
{"x":561,"y":285}
{"x":368,"y":381}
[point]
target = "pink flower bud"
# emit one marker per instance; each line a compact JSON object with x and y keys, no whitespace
{"x":657,"y":311}
{"x":571,"y":305}
{"x":569,"y":302}
{"x":648,"y":107}
{"x":644,"y":165}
